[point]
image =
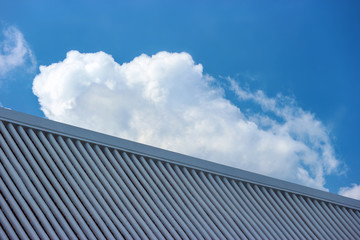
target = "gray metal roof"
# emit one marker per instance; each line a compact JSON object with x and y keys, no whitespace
{"x":62,"y":182}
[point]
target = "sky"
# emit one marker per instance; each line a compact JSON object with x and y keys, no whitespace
{"x":271,"y":87}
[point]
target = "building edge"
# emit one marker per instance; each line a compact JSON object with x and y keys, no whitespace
{"x":171,"y":157}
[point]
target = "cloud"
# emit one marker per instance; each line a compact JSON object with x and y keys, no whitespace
{"x":351,"y":192}
{"x":14,"y":51}
{"x":166,"y":100}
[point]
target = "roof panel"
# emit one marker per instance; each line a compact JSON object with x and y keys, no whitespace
{"x":58,"y":181}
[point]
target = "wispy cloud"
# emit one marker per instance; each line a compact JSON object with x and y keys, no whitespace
{"x":283,"y":118}
{"x":14,"y":51}
{"x":351,"y":192}
{"x":167,"y":101}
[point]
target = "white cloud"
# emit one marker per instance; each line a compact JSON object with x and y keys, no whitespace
{"x":14,"y":51}
{"x":351,"y":192}
{"x":166,"y":100}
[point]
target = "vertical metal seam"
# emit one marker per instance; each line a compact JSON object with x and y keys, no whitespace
{"x":184,"y":197}
{"x":149,"y":226}
{"x":71,"y":163}
{"x":6,"y":225}
{"x":166,"y":198}
{"x":3,"y":235}
{"x":348,"y":221}
{"x":166,"y":226}
{"x":158,"y":199}
{"x":257,"y":210}
{"x":43,"y":186}
{"x":303,"y":214}
{"x":63,"y":186}
{"x":110,"y":196}
{"x":268,"y":215}
{"x":129,"y":200}
{"x":90,"y":184}
{"x":312,"y":216}
{"x":30,"y":180}
{"x":283,"y":224}
{"x":10,"y":215}
{"x":296,"y":214}
{"x":89,"y":213}
{"x":143,"y":207}
{"x":289,"y":213}
{"x":337,"y":220}
{"x":329,"y":219}
{"x":36,"y":217}
{"x":25,"y":223}
{"x":195,"y":223}
{"x":207,"y":203}
{"x":343,"y":220}
{"x":355,"y":214}
{"x":350,"y":217}
{"x":117,"y":196}
{"x":180,"y":182}
{"x":18,"y":202}
{"x":220,"y":209}
{"x":244,"y":220}
{"x":254,"y":214}
{"x":53,"y":188}
{"x":279,"y":209}
{"x":222,"y":202}
{"x":320,"y":218}
{"x":244,"y":208}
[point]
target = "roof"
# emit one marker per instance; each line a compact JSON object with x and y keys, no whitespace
{"x":63,"y":182}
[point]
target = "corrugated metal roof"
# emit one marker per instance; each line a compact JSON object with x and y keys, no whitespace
{"x":62,"y":182}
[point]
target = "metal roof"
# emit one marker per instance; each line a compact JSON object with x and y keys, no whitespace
{"x":62,"y":182}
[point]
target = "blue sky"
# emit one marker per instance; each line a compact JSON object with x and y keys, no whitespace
{"x":306,"y":51}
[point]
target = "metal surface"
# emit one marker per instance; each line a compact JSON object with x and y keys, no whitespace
{"x":58,"y":185}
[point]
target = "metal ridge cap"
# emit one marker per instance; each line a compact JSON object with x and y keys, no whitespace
{"x":172,"y":157}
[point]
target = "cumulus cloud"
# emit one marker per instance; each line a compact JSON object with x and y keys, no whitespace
{"x":14,"y":51}
{"x":351,"y":192}
{"x":166,"y":100}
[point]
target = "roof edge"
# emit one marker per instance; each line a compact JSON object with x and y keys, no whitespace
{"x":172,"y":157}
